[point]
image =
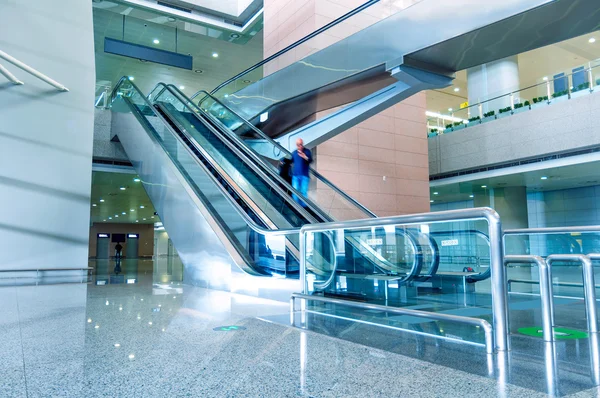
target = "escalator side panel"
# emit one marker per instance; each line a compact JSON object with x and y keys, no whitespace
{"x":201,"y":247}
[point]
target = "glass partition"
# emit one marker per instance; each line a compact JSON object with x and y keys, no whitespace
{"x":266,"y":253}
{"x":332,"y":201}
{"x":547,"y":90}
{"x":440,"y":267}
{"x":566,"y":276}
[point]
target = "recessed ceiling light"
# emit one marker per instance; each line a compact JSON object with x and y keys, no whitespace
{"x":136,"y":180}
{"x":198,"y":71}
{"x":97,"y":327}
{"x":131,"y":356}
{"x":152,"y":217}
{"x":104,"y":220}
{"x":544,"y":178}
{"x":456,"y":89}
{"x":471,"y":196}
{"x":545,"y":78}
{"x":137,"y":220}
{"x":117,"y":345}
{"x":122,"y":188}
{"x":89,"y":320}
{"x":131,"y":78}
{"x":484,"y":186}
{"x":436,"y":193}
{"x":592,"y":40}
{"x":246,"y":81}
{"x":116,"y":216}
{"x":110,"y":218}
{"x":123,"y":213}
{"x":144,"y":219}
{"x":102,"y":200}
{"x":141,"y":207}
{"x":94,"y":205}
{"x":131,"y":209}
{"x":234,"y":36}
{"x":215,"y":55}
{"x":431,"y":201}
{"x":156,"y":41}
{"x":182,"y":87}
{"x":150,"y":323}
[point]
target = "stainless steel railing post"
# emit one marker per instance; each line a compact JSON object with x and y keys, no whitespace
{"x":545,"y":290}
{"x":498,"y":282}
{"x":588,"y":285}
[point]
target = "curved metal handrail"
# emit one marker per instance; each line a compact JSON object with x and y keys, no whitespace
{"x":181,"y":97}
{"x":264,"y":136}
{"x":238,"y":153}
{"x":435,"y":256}
{"x":482,"y":275}
{"x":294,"y":45}
{"x":255,"y":227}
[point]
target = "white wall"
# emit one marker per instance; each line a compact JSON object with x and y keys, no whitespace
{"x":45,"y":135}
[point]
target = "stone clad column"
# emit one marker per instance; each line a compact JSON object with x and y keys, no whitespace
{"x":383,"y":161}
{"x":492,"y":80}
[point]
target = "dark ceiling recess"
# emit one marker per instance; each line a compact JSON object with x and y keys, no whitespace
{"x":162,"y":3}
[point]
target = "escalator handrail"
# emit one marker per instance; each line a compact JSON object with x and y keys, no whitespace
{"x":482,"y":275}
{"x":184,"y":100}
{"x":317,"y":175}
{"x":294,"y":45}
{"x":261,"y":173}
{"x":255,"y":227}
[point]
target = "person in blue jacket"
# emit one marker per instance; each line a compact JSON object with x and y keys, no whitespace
{"x":302,"y":157}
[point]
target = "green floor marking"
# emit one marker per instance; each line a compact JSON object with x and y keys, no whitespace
{"x":559,"y":333}
{"x":228,"y":328}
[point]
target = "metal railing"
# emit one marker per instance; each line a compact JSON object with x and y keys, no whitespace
{"x":498,"y":274}
{"x":287,"y":153}
{"x":545,"y":290}
{"x":435,"y":316}
{"x":38,"y":270}
{"x":474,"y":113}
{"x":292,"y":46}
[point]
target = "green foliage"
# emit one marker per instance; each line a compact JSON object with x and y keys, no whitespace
{"x":490,"y":113}
{"x":474,"y":119}
{"x":504,"y":110}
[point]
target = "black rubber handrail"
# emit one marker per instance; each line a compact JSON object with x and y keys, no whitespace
{"x":294,"y":45}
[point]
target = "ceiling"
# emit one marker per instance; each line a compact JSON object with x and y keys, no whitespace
{"x":533,"y":67}
{"x":208,"y":71}
{"x":549,"y":179}
{"x":133,"y":200}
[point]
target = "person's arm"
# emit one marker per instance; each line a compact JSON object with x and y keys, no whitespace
{"x":308,"y":158}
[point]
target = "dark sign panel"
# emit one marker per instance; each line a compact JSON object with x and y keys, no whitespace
{"x":138,"y":51}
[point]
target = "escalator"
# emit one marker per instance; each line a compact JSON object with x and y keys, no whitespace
{"x":201,"y":181}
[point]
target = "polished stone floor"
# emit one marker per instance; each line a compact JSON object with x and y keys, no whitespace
{"x":142,"y":333}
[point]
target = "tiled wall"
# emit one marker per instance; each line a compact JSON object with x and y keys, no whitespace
{"x":382,"y":162}
{"x":568,"y":207}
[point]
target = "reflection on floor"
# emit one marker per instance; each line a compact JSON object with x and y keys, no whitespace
{"x":138,"y":331}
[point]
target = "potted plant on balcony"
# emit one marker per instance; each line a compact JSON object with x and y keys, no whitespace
{"x":491,"y":115}
{"x":448,"y":128}
{"x":539,"y":101}
{"x":474,"y":120}
{"x":458,"y":125}
{"x":504,"y":112}
{"x":560,"y":95}
{"x":582,"y":89}
{"x":522,"y":106}
{"x":433,"y":133}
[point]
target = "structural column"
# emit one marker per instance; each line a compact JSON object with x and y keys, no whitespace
{"x":491,"y":80}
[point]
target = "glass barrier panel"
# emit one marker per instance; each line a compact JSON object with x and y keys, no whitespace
{"x":566,"y":276}
{"x":267,"y":253}
{"x":436,"y":267}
